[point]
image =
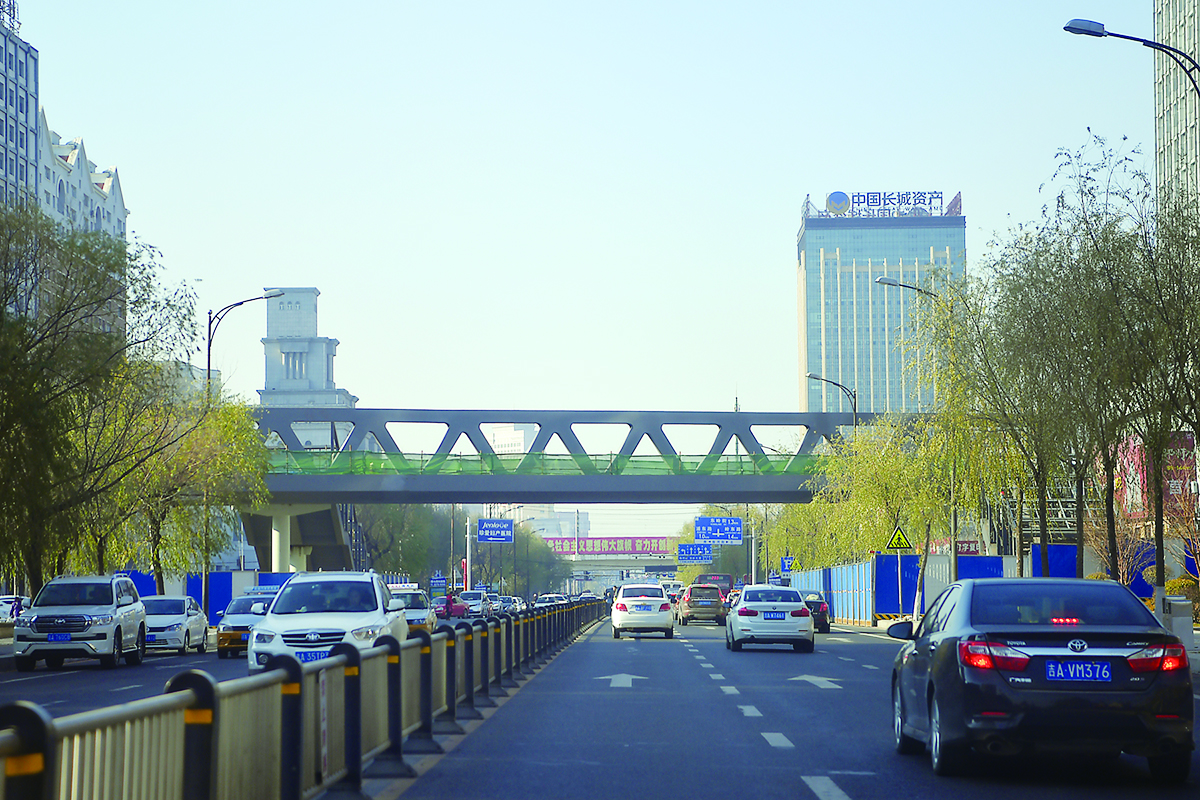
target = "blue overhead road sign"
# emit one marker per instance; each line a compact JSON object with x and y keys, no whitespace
{"x":495,"y":531}
{"x":719,"y":530}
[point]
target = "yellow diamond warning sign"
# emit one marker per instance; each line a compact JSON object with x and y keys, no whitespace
{"x":898,"y":541}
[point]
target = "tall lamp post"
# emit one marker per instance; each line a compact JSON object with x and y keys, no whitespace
{"x":214,"y":321}
{"x":851,"y":395}
{"x":1086,"y":27}
{"x":884,"y":280}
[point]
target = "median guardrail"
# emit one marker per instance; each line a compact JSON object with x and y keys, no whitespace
{"x":292,"y":731}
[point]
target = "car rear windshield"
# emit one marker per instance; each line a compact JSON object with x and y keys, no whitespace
{"x":706,"y":592}
{"x":642,"y":591}
{"x":75,"y":594}
{"x":163,"y":606}
{"x":772,"y":596}
{"x":1034,"y":603}
{"x":241,"y":605}
{"x":309,"y":598}
{"x":470,"y":597}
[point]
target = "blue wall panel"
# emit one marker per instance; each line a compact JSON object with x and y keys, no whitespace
{"x":982,"y":567}
{"x":1062,"y":560}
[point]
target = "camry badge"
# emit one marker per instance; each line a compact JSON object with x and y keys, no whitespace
{"x":1077,"y":645}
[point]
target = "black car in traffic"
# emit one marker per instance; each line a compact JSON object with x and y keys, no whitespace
{"x":1011,"y":666}
{"x":818,"y":608}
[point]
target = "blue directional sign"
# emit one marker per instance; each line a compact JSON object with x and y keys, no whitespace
{"x":775,"y":580}
{"x":438,"y":582}
{"x":719,"y":530}
{"x":497,"y":531}
{"x":785,"y":564}
{"x":695,"y":553}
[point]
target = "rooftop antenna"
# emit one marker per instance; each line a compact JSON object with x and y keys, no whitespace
{"x":9,"y":17}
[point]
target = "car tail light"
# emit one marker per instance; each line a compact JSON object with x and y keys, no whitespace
{"x":622,"y":607}
{"x":1159,"y":658}
{"x":801,"y":612}
{"x":665,"y":607}
{"x":747,"y":612}
{"x":825,"y":607}
{"x":1064,"y":620}
{"x":991,"y":655}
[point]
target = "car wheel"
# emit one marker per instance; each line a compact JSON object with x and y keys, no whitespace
{"x":726,"y":638}
{"x":905,"y":744}
{"x":24,"y":663}
{"x":683,"y":621}
{"x":721,"y":621}
{"x":947,"y":758}
{"x":1171,"y":769}
{"x":187,"y":643}
{"x":203,"y":646}
{"x":54,"y":662}
{"x":805,"y":646}
{"x":616,"y":632}
{"x":110,"y":660}
{"x":135,"y":656}
{"x":670,"y":632}
{"x":735,"y":645}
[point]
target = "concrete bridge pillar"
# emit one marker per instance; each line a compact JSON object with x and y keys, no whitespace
{"x":281,"y":541}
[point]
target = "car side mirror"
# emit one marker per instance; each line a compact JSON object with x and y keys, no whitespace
{"x":395,"y":605}
{"x":218,"y":613}
{"x":259,"y":609}
{"x":124,"y":600}
{"x":901,"y":630}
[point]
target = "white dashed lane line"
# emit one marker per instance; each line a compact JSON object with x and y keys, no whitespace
{"x":824,"y":788}
{"x":730,"y":690}
{"x":750,"y":711}
{"x":777,"y":740}
{"x":844,"y":658}
{"x":869,"y":666}
{"x":706,"y":666}
{"x":716,"y":676}
{"x":124,"y":688}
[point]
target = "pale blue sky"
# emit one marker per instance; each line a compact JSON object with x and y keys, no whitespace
{"x":562,"y":205}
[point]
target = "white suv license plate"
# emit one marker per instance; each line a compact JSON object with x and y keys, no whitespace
{"x":311,"y":655}
{"x":1078,"y":671}
{"x":58,"y":637}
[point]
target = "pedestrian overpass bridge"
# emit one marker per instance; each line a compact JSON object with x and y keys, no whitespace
{"x":366,"y":465}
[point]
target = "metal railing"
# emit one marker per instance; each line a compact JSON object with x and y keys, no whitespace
{"x":292,"y":731}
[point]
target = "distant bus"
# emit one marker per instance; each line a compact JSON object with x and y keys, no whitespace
{"x":722,"y":579}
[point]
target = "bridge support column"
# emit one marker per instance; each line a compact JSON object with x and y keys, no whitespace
{"x":281,"y":542}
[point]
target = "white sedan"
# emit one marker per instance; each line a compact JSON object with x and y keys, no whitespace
{"x":767,"y":614}
{"x":175,"y":622}
{"x":642,"y":608}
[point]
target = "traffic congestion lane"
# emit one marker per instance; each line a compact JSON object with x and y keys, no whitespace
{"x":83,"y":685}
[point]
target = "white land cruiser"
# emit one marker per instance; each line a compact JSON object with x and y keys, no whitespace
{"x":97,"y":617}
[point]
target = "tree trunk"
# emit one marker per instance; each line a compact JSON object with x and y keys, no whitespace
{"x":155,"y":522}
{"x":1043,"y":491}
{"x":1020,"y":533}
{"x":1079,"y":475}
{"x":1110,"y":512}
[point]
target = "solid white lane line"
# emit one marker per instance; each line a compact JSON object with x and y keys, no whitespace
{"x":716,"y":676}
{"x":824,"y":788}
{"x":750,"y":711}
{"x":730,"y":690}
{"x":779,"y":740}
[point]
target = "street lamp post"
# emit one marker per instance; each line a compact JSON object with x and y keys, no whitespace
{"x":850,"y":394}
{"x":214,"y":321}
{"x":1086,"y":27}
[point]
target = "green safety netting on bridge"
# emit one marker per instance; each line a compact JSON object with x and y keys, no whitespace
{"x":367,"y":463}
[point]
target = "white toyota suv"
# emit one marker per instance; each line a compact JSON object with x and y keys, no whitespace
{"x":315,"y":611}
{"x":98,"y":617}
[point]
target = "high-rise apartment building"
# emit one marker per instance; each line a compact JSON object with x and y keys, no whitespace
{"x":18,"y":112}
{"x":1176,"y":132}
{"x":850,"y":327}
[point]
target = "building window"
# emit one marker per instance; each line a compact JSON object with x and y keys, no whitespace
{"x":294,"y":366}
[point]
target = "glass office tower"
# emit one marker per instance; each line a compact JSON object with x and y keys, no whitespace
{"x":851,"y":327}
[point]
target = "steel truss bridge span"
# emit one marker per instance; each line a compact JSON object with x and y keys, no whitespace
{"x":367,"y":466}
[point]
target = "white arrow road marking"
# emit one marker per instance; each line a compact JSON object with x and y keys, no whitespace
{"x":821,"y":683}
{"x":824,"y":788}
{"x":750,"y":711}
{"x":621,"y":681}
{"x":730,"y":690}
{"x":778,"y":740}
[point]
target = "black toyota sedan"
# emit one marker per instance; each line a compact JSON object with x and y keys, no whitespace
{"x":1003,"y":666}
{"x":819,"y":609}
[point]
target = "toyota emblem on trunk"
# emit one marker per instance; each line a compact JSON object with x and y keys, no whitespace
{"x":1077,"y":645}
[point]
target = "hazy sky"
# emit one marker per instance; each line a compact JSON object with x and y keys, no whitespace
{"x":563,"y":205}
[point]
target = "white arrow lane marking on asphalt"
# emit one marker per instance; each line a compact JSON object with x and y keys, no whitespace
{"x":621,"y":681}
{"x":821,"y":683}
{"x":778,"y":740}
{"x":750,"y":711}
{"x":730,"y":690}
{"x":824,"y":788}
